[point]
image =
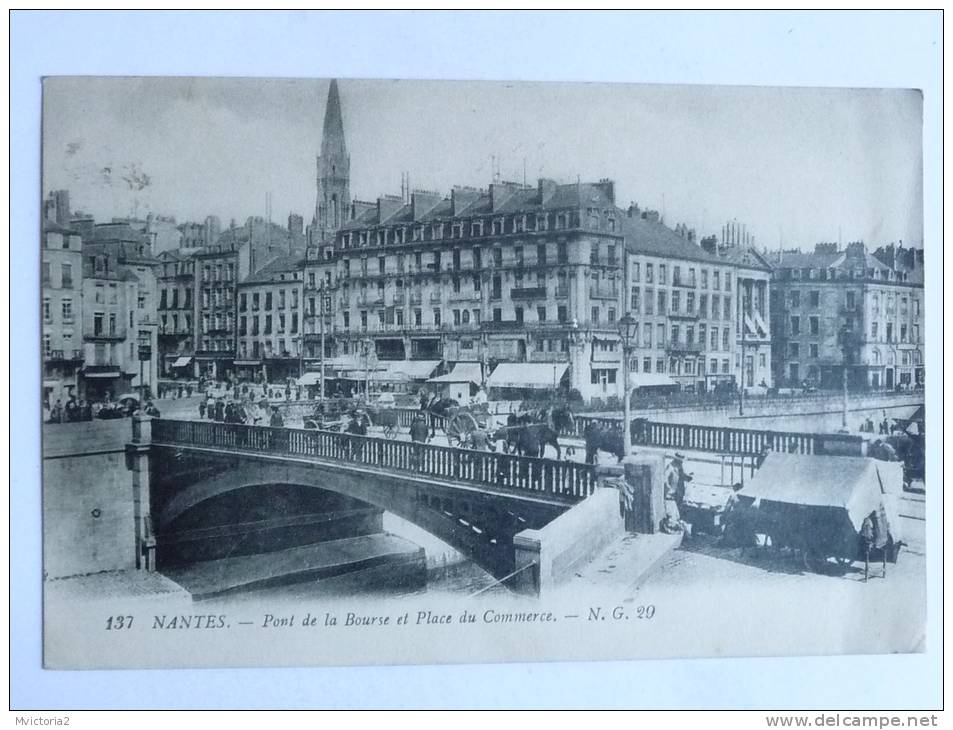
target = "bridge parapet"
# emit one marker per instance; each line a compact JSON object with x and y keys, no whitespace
{"x":566,"y":480}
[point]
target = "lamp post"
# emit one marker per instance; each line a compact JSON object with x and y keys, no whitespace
{"x":627,"y":333}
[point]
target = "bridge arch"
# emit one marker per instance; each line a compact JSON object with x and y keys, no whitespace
{"x":467,"y":520}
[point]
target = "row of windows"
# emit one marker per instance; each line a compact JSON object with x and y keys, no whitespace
{"x":435,"y":259}
{"x":842,"y":274}
{"x":689,"y":280}
{"x":679,"y":336}
{"x":266,"y":324}
{"x":66,"y":310}
{"x":169,"y":299}
{"x":218,"y":272}
{"x":66,"y":275}
{"x":500,"y":225}
{"x":283,"y":299}
{"x":661,"y":303}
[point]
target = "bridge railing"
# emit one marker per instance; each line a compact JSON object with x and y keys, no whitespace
{"x":548,"y":477}
{"x":728,"y":440}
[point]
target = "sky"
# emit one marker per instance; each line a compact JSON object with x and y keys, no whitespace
{"x":796,"y":165}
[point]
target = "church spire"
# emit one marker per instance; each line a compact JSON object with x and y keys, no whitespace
{"x":333,"y":172}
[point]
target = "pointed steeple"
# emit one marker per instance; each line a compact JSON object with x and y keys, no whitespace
{"x":332,"y":140}
{"x":333,"y":172}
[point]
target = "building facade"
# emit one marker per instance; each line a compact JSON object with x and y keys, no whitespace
{"x":270,"y":322}
{"x":62,"y":312}
{"x":176,"y":312}
{"x":843,"y":309}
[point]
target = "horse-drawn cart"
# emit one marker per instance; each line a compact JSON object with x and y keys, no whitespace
{"x":463,"y":423}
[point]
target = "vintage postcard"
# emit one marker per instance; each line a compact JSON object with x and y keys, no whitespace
{"x":343,"y":371}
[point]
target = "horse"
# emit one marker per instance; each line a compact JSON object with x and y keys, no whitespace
{"x":524,"y":437}
{"x":439,"y":408}
{"x":598,"y":438}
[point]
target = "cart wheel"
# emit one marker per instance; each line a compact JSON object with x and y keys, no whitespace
{"x":460,"y":430}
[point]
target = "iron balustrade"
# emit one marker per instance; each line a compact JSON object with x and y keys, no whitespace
{"x":564,"y":479}
{"x":727,"y":440}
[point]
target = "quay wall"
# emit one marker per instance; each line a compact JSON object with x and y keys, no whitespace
{"x":88,"y":511}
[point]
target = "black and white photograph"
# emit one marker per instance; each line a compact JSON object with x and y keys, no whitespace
{"x":352,"y":371}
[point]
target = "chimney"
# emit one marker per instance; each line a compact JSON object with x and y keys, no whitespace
{"x":462,"y":198}
{"x":422,"y":202}
{"x":633,"y":210}
{"x":387,"y":205}
{"x":607,"y":186}
{"x":547,"y":189}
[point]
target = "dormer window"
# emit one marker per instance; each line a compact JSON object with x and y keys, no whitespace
{"x":476,"y":228}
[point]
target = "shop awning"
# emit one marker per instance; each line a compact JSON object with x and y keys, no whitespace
{"x":463,"y":372}
{"x":101,"y":373}
{"x":310,"y":378}
{"x":403,"y":371}
{"x":527,"y":375}
{"x":251,"y":363}
{"x":181,"y":362}
{"x":650,"y":380}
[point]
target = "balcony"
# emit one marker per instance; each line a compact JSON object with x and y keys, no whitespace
{"x":106,"y":336}
{"x":461,"y":296}
{"x":64,"y":356}
{"x":524,"y":293}
{"x":684,"y":348}
{"x":603,"y":292}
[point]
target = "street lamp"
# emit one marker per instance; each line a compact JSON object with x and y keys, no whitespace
{"x":628,"y":330}
{"x":845,"y":342}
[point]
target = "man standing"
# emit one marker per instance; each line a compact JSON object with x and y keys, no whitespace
{"x":675,"y":481}
{"x":276,"y":420}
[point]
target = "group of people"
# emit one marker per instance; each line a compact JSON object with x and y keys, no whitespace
{"x":231,"y":410}
{"x":79,"y":409}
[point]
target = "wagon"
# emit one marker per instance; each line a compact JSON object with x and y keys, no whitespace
{"x":825,"y":507}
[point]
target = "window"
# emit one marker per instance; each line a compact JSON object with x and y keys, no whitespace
{"x":714,"y":338}
{"x":541,"y":314}
{"x":648,"y":273}
{"x":497,"y":256}
{"x":703,"y":306}
{"x":47,"y":344}
{"x":676,"y":275}
{"x":815,"y":298}
{"x":727,"y":307}
{"x":646,"y":365}
{"x":795,"y":325}
{"x":268,"y":300}
{"x":795,"y":298}
{"x":46,"y":309}
{"x":690,"y":302}
{"x":67,"y":309}
{"x":716,"y":280}
{"x":815,"y":325}
{"x":793,"y":349}
{"x":112,"y":323}
{"x":850,"y":300}
{"x":456,"y":317}
{"x":595,"y":315}
{"x":418,"y":317}
{"x":660,"y":332}
{"x":903,"y":333}
{"x":676,"y":302}
{"x":67,"y":274}
{"x":519,"y":314}
{"x":562,"y":253}
{"x":242,"y":325}
{"x":636,"y":302}
{"x":727,"y":281}
{"x":662,"y":307}
{"x":562,"y":313}
{"x":725,"y":333}
{"x":813,"y":349}
{"x":436,"y":316}
{"x":635,"y":271}
{"x":518,"y":255}
{"x":675,"y":334}
{"x":705,"y":286}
